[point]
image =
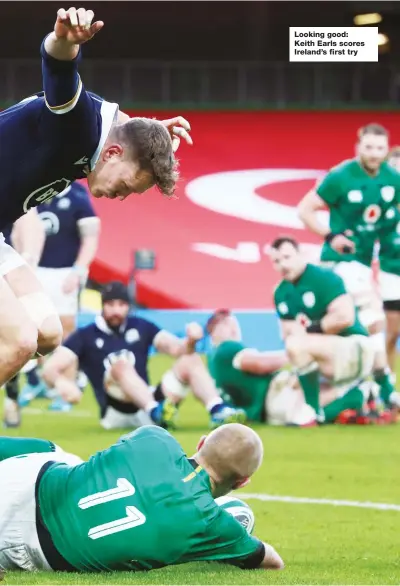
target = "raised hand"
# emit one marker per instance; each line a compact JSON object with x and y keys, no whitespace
{"x":75,"y":25}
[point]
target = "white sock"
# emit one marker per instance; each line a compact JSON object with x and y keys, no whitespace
{"x":213,"y":403}
{"x":150,"y":406}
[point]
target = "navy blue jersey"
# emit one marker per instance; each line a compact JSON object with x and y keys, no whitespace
{"x":50,"y":139}
{"x":7,"y":234}
{"x":96,"y":346}
{"x":61,"y":217}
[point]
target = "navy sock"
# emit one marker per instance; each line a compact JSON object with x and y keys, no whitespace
{"x":32,"y":377}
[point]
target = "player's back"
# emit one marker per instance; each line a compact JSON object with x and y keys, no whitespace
{"x":138,"y":505}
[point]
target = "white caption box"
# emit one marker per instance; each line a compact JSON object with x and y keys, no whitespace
{"x":333,"y":43}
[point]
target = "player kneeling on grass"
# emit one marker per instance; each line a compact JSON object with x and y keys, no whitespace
{"x":113,"y":352}
{"x":321,"y":330}
{"x":256,"y":382}
{"x":139,"y":505}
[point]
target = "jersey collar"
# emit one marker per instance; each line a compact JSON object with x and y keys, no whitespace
{"x":108,"y":112}
{"x":101,"y":324}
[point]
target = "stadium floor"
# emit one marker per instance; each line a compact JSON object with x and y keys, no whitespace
{"x":331,"y":543}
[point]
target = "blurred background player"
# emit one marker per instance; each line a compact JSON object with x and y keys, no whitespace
{"x":72,"y":236}
{"x":389,"y":270}
{"x":360,"y":193}
{"x":261,"y":384}
{"x":319,"y":324}
{"x":113,"y":353}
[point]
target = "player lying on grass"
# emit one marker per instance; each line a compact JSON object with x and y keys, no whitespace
{"x":361,"y":195}
{"x":62,"y":134}
{"x":113,"y":352}
{"x":258,"y":382}
{"x":139,"y":505}
{"x":18,"y":446}
{"x":320,"y":325}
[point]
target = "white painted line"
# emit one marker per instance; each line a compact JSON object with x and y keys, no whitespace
{"x":314,"y":501}
{"x":73,"y":413}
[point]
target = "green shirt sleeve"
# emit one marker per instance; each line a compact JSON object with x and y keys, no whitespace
{"x":225,"y":540}
{"x":281,"y":306}
{"x":332,"y":286}
{"x":330,"y":189}
{"x":227,"y":351}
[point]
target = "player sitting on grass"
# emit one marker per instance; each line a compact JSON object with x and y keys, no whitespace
{"x":258,"y":382}
{"x":113,"y":352}
{"x":139,"y":505}
{"x":361,"y":194}
{"x":320,"y":326}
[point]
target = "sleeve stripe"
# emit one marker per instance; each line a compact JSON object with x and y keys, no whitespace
{"x":65,"y":108}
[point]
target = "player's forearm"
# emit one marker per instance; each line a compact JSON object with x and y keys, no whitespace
{"x":60,"y":48}
{"x":308,"y":214}
{"x":179,"y":347}
{"x":87,"y":251}
{"x":28,"y":237}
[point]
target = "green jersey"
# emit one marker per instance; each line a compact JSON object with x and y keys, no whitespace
{"x":307,"y":299}
{"x":139,"y":505}
{"x":358,"y":202}
{"x":15,"y":446}
{"x":242,"y":389}
{"x":389,"y":244}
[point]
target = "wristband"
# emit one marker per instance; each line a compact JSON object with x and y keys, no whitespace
{"x":314,"y":328}
{"x":329,"y":237}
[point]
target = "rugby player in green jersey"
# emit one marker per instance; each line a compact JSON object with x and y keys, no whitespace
{"x":139,"y":505}
{"x":319,"y":322}
{"x":360,"y":193}
{"x":258,"y":382}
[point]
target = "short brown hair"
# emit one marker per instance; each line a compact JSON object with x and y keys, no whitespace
{"x":152,"y":147}
{"x":372,"y":128}
{"x":279,"y":242}
{"x":216,"y":317}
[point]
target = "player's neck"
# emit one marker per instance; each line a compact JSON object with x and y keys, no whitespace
{"x":369,"y":172}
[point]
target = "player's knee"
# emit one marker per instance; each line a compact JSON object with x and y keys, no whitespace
{"x":50,"y":335}
{"x":294,"y":346}
{"x":25,"y":344}
{"x":187,"y":364}
{"x":120,"y":368}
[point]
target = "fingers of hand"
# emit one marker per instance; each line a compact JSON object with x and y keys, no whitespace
{"x":73,"y":16}
{"x":178,"y":120}
{"x":176,"y":141}
{"x":80,"y":19}
{"x":182,"y":133}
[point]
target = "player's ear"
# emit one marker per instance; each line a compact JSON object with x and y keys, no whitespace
{"x":241,"y":483}
{"x":113,"y":150}
{"x":201,"y":442}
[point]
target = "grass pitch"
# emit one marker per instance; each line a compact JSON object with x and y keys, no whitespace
{"x":320,"y":543}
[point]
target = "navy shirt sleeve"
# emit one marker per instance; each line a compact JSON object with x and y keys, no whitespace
{"x":75,"y":343}
{"x":151,"y":332}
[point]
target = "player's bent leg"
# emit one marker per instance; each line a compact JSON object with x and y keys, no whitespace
{"x":285,"y":404}
{"x":38,"y":306}
{"x":392,"y":312}
{"x":190,"y":371}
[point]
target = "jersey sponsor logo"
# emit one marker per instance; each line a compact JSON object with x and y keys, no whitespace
{"x":309,"y":299}
{"x":51,"y":223}
{"x":99,"y":343}
{"x":132,"y":336}
{"x":355,"y":196}
{"x":387,"y":193}
{"x":64,"y":203}
{"x":45,"y":193}
{"x":283,"y":308}
{"x":372,"y":214}
{"x":82,"y":161}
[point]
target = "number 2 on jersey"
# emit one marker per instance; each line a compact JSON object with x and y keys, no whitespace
{"x":133,"y":518}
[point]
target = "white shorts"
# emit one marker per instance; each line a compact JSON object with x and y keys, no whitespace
{"x":114,"y":419}
{"x":359,"y":282}
{"x":353,"y":358}
{"x":52,"y":281}
{"x":19,"y":542}
{"x":285,"y":402}
{"x":9,"y":258}
{"x":389,"y":286}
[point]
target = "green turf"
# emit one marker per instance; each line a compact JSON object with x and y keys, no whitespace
{"x":320,"y":544}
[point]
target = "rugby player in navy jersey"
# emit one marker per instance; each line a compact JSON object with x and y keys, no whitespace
{"x":48,"y":141}
{"x":113,"y":352}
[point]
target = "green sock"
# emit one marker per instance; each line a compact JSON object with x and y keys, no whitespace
{"x":383,"y":378}
{"x":353,"y":399}
{"x":309,"y":382}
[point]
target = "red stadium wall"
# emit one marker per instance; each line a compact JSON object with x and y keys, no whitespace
{"x":240,"y":184}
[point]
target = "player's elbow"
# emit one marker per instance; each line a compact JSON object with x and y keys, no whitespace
{"x":272,"y":560}
{"x":344,"y":319}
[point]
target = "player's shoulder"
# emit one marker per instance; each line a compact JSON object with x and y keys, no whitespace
{"x":390,"y":174}
{"x":321,"y":275}
{"x":152,"y":436}
{"x":79,"y":190}
{"x":280,"y":289}
{"x":139,"y":323}
{"x":230,"y":347}
{"x":346,"y":166}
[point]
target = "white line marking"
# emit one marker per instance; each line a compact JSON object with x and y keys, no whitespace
{"x":73,"y":413}
{"x":315,"y":501}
